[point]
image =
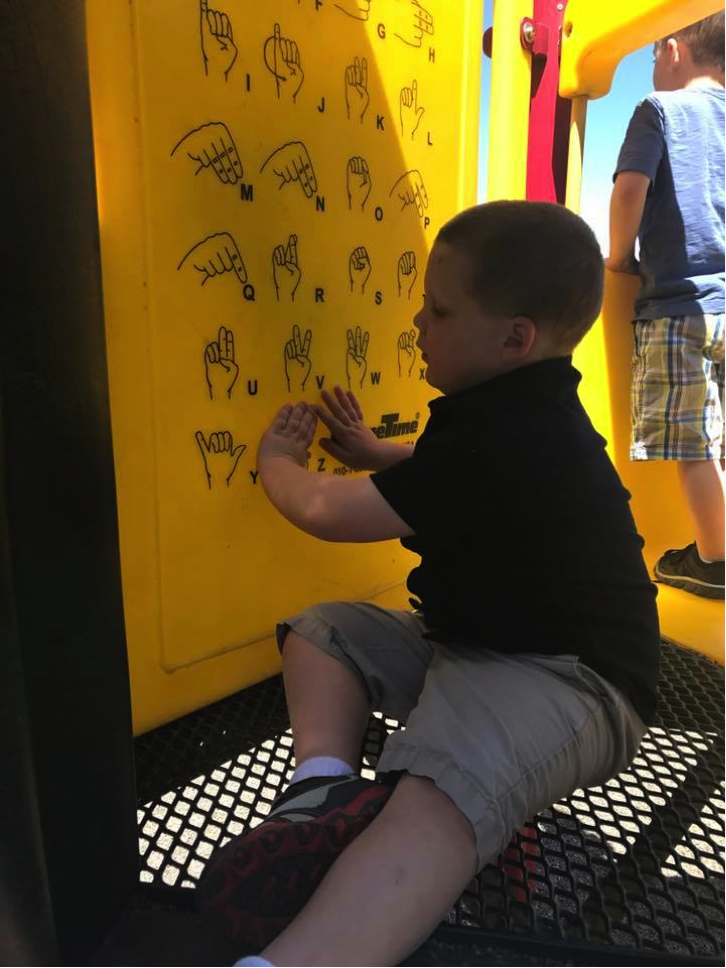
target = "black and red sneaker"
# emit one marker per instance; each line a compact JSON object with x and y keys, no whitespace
{"x":256,"y":884}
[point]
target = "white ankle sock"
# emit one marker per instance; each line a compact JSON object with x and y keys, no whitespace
{"x":321,"y":766}
{"x":254,"y":960}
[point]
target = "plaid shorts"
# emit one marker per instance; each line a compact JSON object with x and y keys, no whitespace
{"x":677,"y":390}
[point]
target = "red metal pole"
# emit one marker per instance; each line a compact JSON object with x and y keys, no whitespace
{"x":549,"y":114}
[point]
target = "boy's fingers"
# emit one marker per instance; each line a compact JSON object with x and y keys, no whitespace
{"x":307,"y":426}
{"x":348,"y":402}
{"x":336,"y":408}
{"x":325,"y":418}
{"x":293,"y":421}
{"x":345,"y":404}
{"x":353,"y":399}
{"x":351,"y":406}
{"x":333,"y":448}
{"x":281,"y":417}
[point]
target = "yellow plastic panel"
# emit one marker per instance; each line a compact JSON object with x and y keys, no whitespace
{"x":597,"y":36}
{"x":271,"y":178}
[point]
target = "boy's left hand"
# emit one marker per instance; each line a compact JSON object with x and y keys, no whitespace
{"x":290,"y":434}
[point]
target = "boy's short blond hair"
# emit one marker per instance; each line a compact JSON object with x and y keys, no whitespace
{"x":533,"y":259}
{"x":704,"y":39}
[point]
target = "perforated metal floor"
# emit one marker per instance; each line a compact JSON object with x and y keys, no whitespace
{"x":634,"y":867}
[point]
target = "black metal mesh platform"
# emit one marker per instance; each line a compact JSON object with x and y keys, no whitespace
{"x":634,"y":868}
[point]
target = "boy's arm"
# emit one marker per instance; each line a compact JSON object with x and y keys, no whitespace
{"x":327,"y":507}
{"x":351,"y":441}
{"x":626,"y":213}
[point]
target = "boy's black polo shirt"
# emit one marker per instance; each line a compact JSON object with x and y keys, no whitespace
{"x":524,"y":529}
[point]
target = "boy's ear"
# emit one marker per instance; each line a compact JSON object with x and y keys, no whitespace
{"x":520,"y":339}
{"x":674,"y":52}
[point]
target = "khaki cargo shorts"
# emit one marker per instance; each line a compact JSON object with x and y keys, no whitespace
{"x":503,"y":735}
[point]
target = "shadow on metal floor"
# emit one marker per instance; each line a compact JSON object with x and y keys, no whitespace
{"x":629,"y":873}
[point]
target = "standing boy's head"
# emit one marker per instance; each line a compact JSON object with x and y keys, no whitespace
{"x":507,"y":284}
{"x":695,"y":52}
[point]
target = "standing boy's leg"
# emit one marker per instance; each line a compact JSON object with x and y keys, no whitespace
{"x":702,"y":482}
{"x":678,"y":414}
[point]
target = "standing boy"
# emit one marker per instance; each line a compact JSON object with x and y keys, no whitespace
{"x":669,"y":193}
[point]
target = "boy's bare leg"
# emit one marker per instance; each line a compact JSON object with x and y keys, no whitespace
{"x":329,"y":710}
{"x":702,"y":482}
{"x":390,"y":888}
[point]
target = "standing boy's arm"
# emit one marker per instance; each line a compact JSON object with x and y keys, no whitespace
{"x":327,"y":507}
{"x":626,"y":213}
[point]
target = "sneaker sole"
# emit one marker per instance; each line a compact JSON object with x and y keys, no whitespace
{"x":693,"y":585}
{"x":259,"y":882}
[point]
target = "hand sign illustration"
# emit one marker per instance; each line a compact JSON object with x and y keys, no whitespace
{"x":407,"y":273}
{"x":218,"y":48}
{"x":358,"y":182}
{"x":359,"y":268}
{"x":297,"y":358}
{"x":291,"y":162}
{"x":406,"y":352}
{"x":212,"y":146}
{"x":220,"y":456}
{"x":214,"y":256}
{"x":285,"y":270}
{"x":356,"y":363}
{"x":411,"y":21}
{"x":410,"y":190}
{"x":220,"y":367}
{"x":359,"y":9}
{"x":282,"y":59}
{"x":411,"y":113}
{"x":357,"y":97}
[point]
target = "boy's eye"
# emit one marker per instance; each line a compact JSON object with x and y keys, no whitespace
{"x":433,"y":307}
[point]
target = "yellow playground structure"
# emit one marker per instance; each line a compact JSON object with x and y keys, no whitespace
{"x":229,"y":283}
{"x":215,"y":206}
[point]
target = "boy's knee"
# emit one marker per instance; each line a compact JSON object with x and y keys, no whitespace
{"x":291,"y":641}
{"x":425,"y":809}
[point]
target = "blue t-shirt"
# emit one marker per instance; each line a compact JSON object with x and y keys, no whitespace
{"x":676,"y":138}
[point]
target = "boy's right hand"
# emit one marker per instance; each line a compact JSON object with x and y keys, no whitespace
{"x":628,"y":266}
{"x":351,"y":442}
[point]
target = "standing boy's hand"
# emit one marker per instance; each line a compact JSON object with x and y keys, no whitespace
{"x":629,"y":266}
{"x":290,"y":434}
